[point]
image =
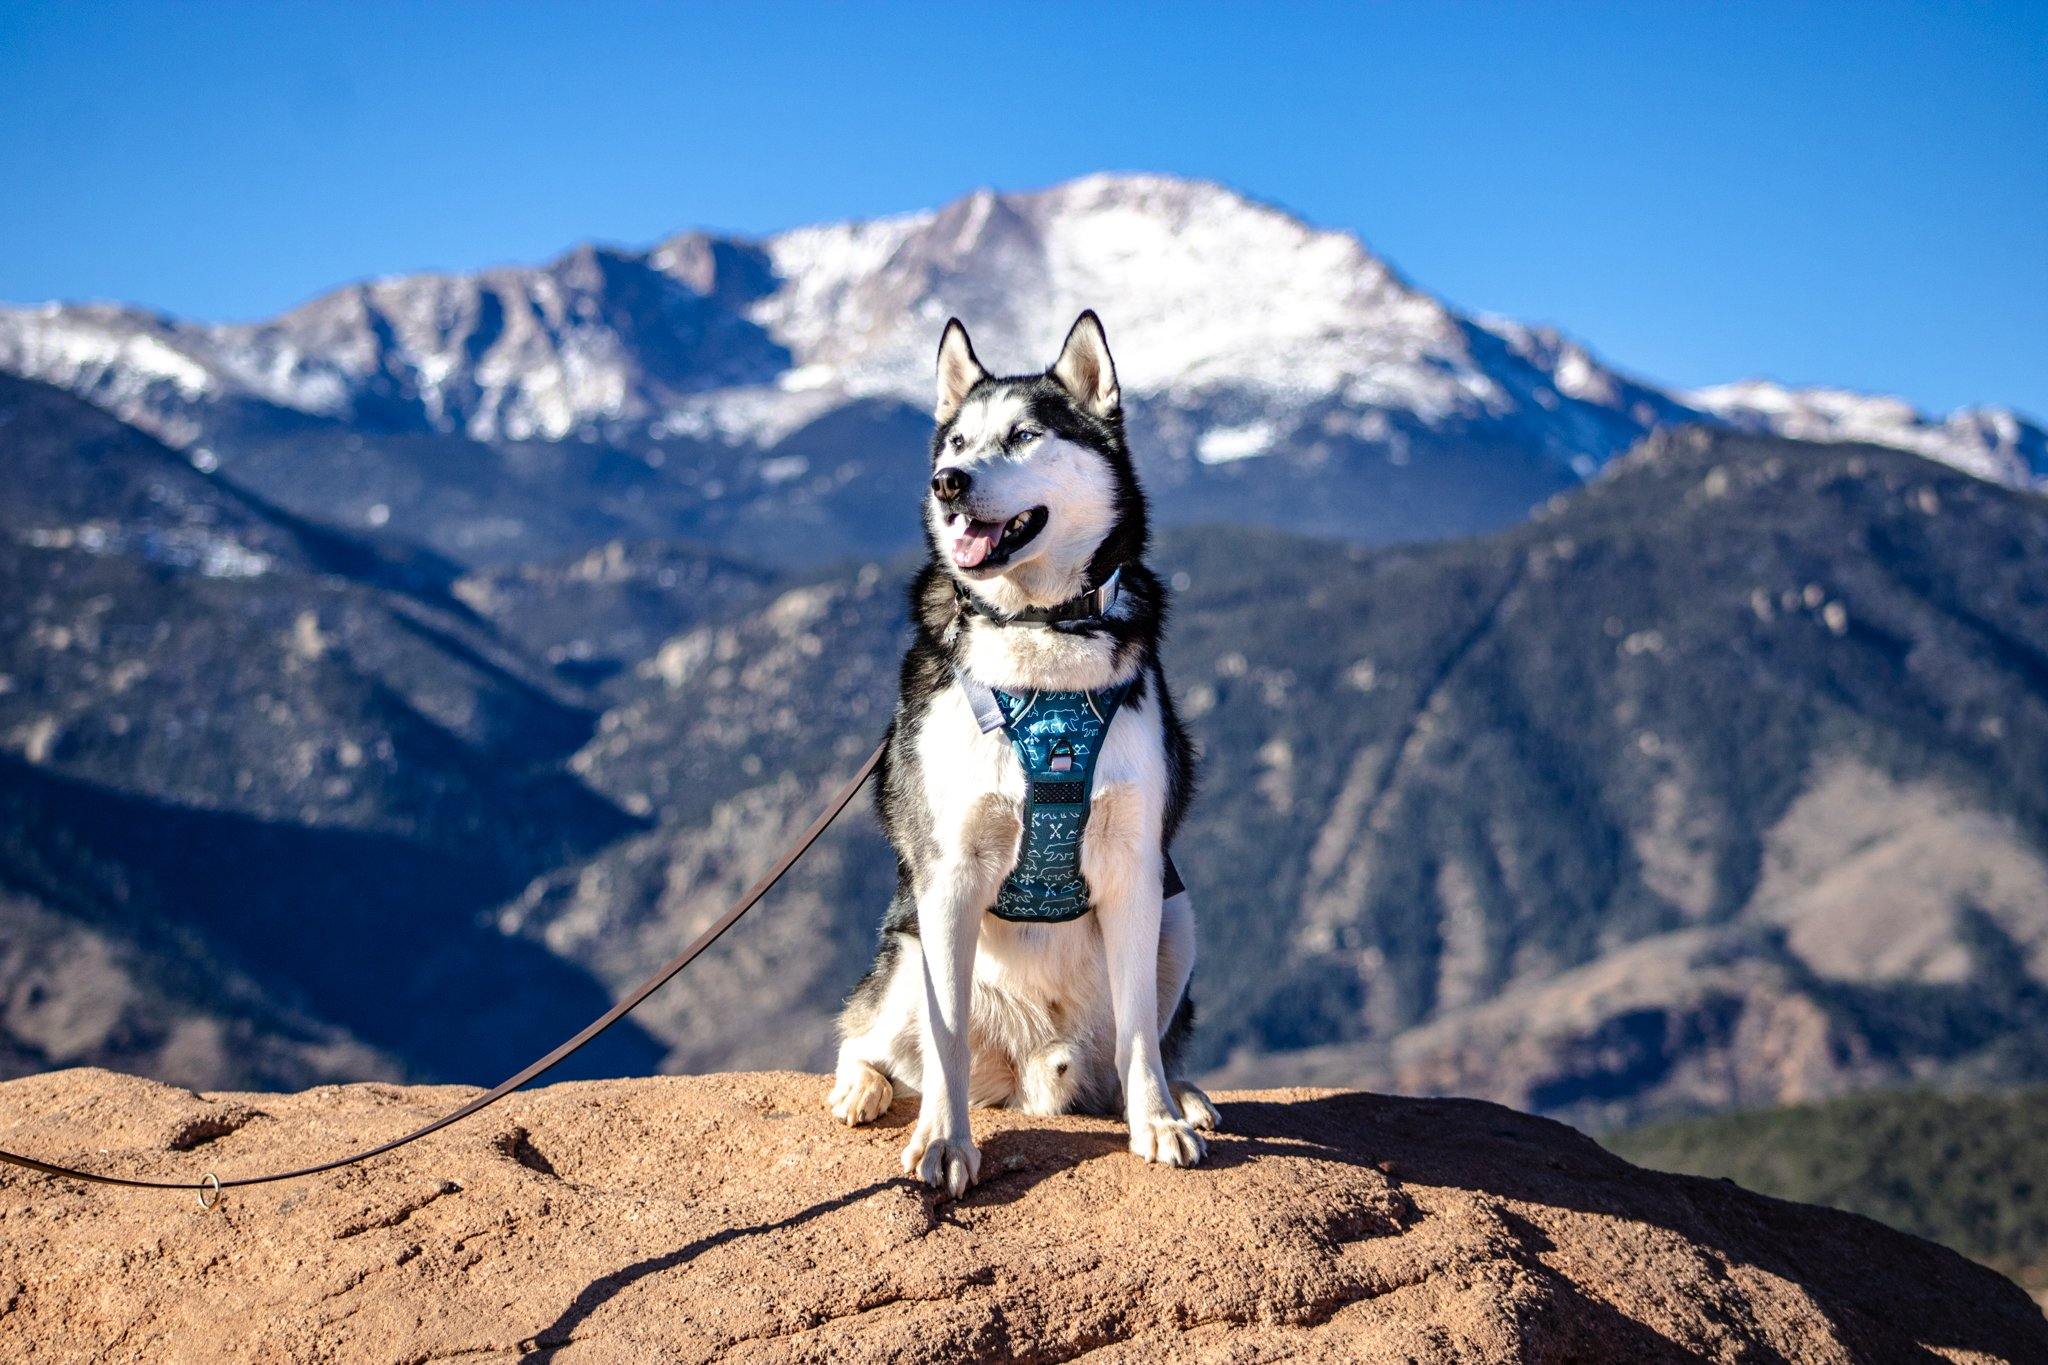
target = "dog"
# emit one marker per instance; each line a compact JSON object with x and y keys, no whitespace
{"x":1036,"y":586}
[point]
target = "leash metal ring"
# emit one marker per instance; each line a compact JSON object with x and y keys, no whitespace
{"x":209,"y":1205}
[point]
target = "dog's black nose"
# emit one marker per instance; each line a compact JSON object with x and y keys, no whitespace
{"x":950,"y":484}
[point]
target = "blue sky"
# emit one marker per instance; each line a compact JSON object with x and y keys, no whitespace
{"x":1852,"y":194}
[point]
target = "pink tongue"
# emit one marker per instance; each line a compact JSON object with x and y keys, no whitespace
{"x":975,"y":542}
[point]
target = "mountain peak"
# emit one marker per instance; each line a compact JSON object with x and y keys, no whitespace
{"x":1241,"y":332}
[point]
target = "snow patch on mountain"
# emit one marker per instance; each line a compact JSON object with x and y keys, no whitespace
{"x":1221,"y":445}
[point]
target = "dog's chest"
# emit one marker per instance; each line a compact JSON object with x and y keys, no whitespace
{"x":962,"y":765}
{"x":1030,"y":658}
{"x":958,"y":758}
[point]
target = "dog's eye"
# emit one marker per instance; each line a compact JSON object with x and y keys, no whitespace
{"x":957,"y":441}
{"x":1023,"y":436}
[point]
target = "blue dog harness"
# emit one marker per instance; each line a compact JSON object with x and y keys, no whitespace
{"x":1057,"y":737}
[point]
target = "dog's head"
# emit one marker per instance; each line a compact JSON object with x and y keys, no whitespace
{"x":1032,"y":499}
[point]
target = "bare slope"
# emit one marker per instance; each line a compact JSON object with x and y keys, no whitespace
{"x":1717,"y":785}
{"x":258,"y":784}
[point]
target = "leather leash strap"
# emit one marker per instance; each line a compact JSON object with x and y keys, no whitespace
{"x":212,"y":1184}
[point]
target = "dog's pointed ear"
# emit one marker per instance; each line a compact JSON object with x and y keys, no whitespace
{"x":959,"y":371}
{"x":1084,"y":368}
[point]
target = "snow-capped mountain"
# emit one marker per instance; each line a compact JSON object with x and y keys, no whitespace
{"x":1246,"y":339}
{"x":1992,"y":443}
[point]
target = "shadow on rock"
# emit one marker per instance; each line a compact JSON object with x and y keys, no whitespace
{"x":546,"y":1343}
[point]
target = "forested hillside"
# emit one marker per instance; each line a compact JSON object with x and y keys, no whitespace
{"x":1969,"y":1171}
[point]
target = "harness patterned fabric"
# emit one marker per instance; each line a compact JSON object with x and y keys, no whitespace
{"x":1057,"y":737}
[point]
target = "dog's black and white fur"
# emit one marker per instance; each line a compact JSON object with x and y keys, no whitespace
{"x":1034,"y":503}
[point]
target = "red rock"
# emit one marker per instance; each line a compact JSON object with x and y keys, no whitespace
{"x":693,"y":1218}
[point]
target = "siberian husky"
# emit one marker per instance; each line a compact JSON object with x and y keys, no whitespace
{"x":1036,"y":586}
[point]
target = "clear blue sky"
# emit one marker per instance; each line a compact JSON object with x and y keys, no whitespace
{"x":1852,"y":194}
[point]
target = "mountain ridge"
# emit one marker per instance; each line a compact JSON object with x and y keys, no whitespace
{"x":1252,"y":345}
{"x":1565,"y":815}
{"x":1598,"y":815}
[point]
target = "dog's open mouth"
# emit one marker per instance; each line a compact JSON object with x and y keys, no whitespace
{"x":990,"y":544}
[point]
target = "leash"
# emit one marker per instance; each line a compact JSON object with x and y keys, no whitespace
{"x":212,"y":1184}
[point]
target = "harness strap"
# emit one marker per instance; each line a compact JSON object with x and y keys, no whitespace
{"x":981,"y":698}
{"x":1174,"y":889}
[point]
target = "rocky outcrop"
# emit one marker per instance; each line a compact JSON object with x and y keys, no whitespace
{"x":726,"y":1217}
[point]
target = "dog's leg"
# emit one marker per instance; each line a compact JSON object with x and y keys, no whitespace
{"x":941,"y":1152}
{"x":1122,"y":861}
{"x":878,"y":1034}
{"x":1176,"y":966}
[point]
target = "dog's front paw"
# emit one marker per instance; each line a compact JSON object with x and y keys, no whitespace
{"x":860,"y":1094}
{"x":950,"y":1164}
{"x":1201,"y":1113}
{"x":1168,"y":1141}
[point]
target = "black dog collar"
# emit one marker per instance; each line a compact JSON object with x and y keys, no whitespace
{"x":1085,"y":606}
